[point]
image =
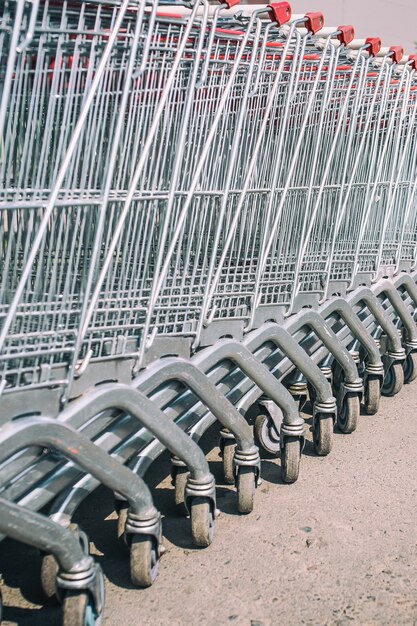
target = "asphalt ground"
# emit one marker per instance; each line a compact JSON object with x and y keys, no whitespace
{"x":338,"y":547}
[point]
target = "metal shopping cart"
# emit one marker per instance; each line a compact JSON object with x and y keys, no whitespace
{"x":202,"y":210}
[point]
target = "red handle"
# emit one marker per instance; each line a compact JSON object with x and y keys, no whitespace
{"x":413,"y":59}
{"x":229,"y":3}
{"x":314,"y":22}
{"x":346,"y":34}
{"x":374,"y":45}
{"x":397,"y":53}
{"x":279,"y":12}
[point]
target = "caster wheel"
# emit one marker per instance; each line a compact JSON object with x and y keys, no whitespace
{"x":290,"y":459}
{"x":323,"y":434}
{"x":229,"y":446}
{"x":311,"y":393}
{"x":49,"y":571}
{"x":144,"y":560}
{"x":202,"y":522}
{"x":349,"y":413}
{"x":181,"y":477}
{"x":78,"y":610}
{"x":393,"y":381}
{"x":372,"y":394}
{"x":246,"y":485}
{"x":410,"y":367}
{"x":266,"y":434}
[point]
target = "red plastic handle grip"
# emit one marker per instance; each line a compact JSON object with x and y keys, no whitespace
{"x":397,"y":53}
{"x":346,"y":34}
{"x":279,"y":12}
{"x":229,"y":3}
{"x":374,"y":45}
{"x":413,"y":59}
{"x":314,"y":22}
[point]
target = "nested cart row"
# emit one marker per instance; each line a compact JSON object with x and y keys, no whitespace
{"x":207,"y":213}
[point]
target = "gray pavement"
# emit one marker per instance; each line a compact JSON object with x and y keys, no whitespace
{"x":338,"y":547}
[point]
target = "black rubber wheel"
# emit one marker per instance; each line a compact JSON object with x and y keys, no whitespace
{"x":410,"y":367}
{"x":393,"y":381}
{"x":323,"y":434}
{"x":49,"y":571}
{"x":229,"y":446}
{"x":290,"y":459}
{"x":266,"y":434}
{"x":246,"y":485}
{"x":181,"y":477}
{"x":202,"y":522}
{"x":372,"y":394}
{"x":347,"y":420}
{"x":77,"y":609}
{"x":144,"y":561}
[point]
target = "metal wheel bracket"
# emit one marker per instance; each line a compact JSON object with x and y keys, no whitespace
{"x":297,"y":389}
{"x":283,"y":440}
{"x":368,"y":374}
{"x":150,"y":526}
{"x":274,"y":412}
{"x":374,"y":370}
{"x":294,"y":431}
{"x":356,"y":387}
{"x":91,"y":580}
{"x":332,"y":414}
{"x":390,"y":359}
{"x":248,"y":458}
{"x":329,"y":407}
{"x":398,"y":355}
{"x":201,"y":489}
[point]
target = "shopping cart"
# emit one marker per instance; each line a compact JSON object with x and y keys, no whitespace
{"x":198,"y":207}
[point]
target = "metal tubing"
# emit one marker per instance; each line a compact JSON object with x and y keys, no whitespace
{"x":40,"y":431}
{"x":388,"y":288}
{"x":405,"y":280}
{"x":185,"y":372}
{"x":313,"y":320}
{"x":231,"y":350}
{"x":126,"y":398}
{"x":366,"y":295}
{"x":358,"y":330}
{"x":37,"y":530}
{"x":281,"y":338}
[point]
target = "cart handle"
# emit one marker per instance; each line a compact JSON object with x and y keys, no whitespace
{"x":313,"y":22}
{"x":279,"y":12}
{"x":395,"y":52}
{"x":345,"y":34}
{"x":410,"y":60}
{"x":229,"y":3}
{"x":371,"y":44}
